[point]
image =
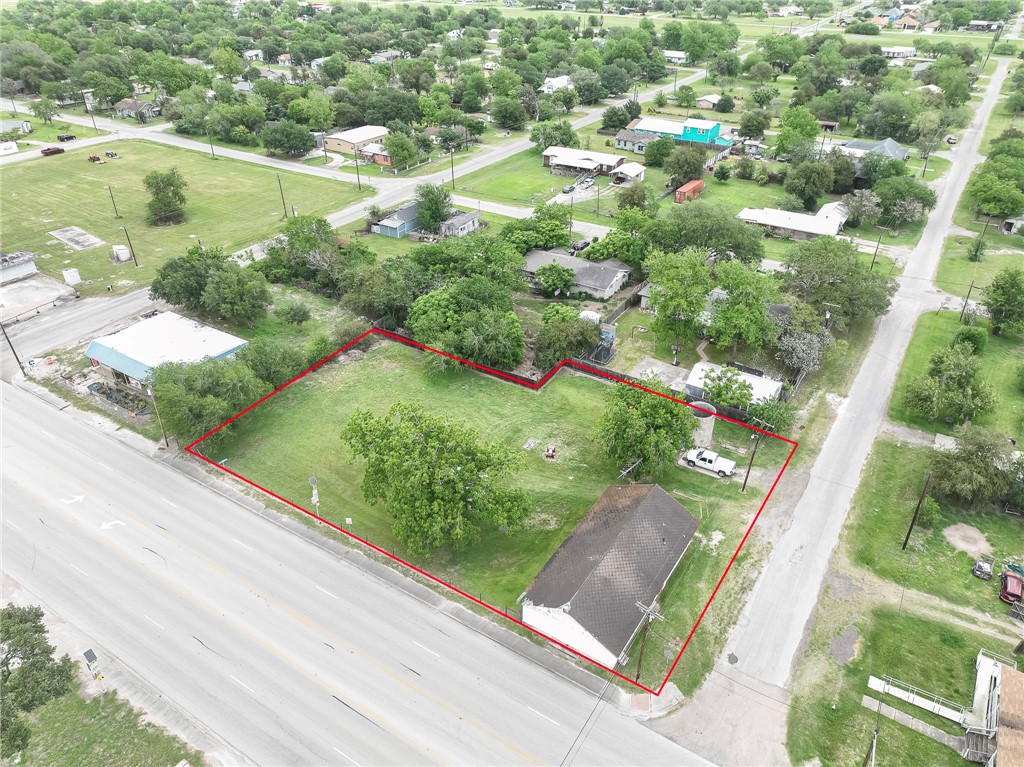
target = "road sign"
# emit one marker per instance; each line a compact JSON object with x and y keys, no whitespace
{"x":312,"y":481}
{"x":316,"y":497}
{"x":348,"y":520}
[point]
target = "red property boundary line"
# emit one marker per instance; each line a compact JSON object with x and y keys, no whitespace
{"x":530,"y":385}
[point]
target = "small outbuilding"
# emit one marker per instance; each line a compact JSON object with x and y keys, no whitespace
{"x":461,"y":223}
{"x":17,"y":266}
{"x":629,"y":172}
{"x":689,"y":190}
{"x":401,"y":222}
{"x":591,"y":593}
{"x":130,"y":355}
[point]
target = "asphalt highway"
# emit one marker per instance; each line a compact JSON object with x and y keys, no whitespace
{"x":290,"y":655}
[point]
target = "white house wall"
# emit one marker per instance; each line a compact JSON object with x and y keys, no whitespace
{"x":559,"y":625}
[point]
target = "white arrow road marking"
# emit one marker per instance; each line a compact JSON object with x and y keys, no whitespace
{"x":111,"y":523}
{"x":325,"y":591}
{"x":244,"y":684}
{"x":153,"y":622}
{"x":538,"y":713}
{"x":426,"y":648}
{"x":73,"y":499}
{"x":346,"y":756}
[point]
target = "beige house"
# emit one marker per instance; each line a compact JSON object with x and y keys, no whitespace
{"x":348,"y":141}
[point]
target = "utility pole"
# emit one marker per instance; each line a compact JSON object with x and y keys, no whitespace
{"x":452,"y":155}
{"x":877,"y":244}
{"x":650,"y":614}
{"x":130,"y":248}
{"x":156,"y":410}
{"x":91,"y":115}
{"x":966,"y":299}
{"x":210,"y":137}
{"x":16,"y":357}
{"x":869,"y":757}
{"x":757,"y":443}
{"x":359,"y":182}
{"x":917,"y":510}
{"x":280,"y":186}
{"x":111,"y":191}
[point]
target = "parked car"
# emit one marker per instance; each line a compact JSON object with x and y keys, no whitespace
{"x":712,"y":461}
{"x":1011,"y":587}
{"x":47,"y":151}
{"x":950,"y":139}
{"x":580,"y":245}
{"x":568,"y":189}
{"x":66,"y":137}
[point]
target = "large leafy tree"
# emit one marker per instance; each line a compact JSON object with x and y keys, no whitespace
{"x":679,"y":286}
{"x":658,"y":151}
{"x":437,"y":478}
{"x":435,"y":206}
{"x":564,"y":338}
{"x":641,"y":426}
{"x":288,"y":138}
{"x":1004,"y":299}
{"x":704,"y":224}
{"x":952,"y":388}
{"x":798,"y":126}
{"x":686,"y":163}
{"x":554,"y":279}
{"x":827,"y":270}
{"x":725,"y":387}
{"x":809,"y":181}
{"x":237,"y":294}
{"x":742,"y":314}
{"x":182,"y":281}
{"x":977,"y":470}
{"x":167,"y":196}
{"x":547,"y":134}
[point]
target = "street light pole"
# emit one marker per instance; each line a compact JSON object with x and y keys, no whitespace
{"x":130,"y":248}
{"x":156,"y":410}
{"x":111,"y":191}
{"x":280,"y":186}
{"x":16,"y":357}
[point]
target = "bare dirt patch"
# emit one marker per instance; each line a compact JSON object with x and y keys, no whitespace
{"x":843,"y":648}
{"x":967,"y":539}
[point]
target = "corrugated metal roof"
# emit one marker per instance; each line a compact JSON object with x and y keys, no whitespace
{"x":1010,"y":734}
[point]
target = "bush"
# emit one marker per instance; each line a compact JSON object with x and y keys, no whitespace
{"x":723,"y":172}
{"x":781,"y":415}
{"x":761,"y":175}
{"x":972,"y":335}
{"x":347,"y":330}
{"x":292,"y":313}
{"x":321,"y":345}
{"x":792,"y":203}
{"x":930,"y":512}
{"x":744,"y":168}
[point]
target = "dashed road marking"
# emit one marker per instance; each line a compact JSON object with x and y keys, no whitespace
{"x":426,"y":648}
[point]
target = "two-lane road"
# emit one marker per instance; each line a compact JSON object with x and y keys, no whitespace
{"x":288,"y":654}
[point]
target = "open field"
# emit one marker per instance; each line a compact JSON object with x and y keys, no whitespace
{"x":956,"y":272}
{"x":999,"y":362}
{"x":882,"y":509}
{"x":296,"y":435}
{"x":521,"y":178}
{"x":230,"y":203}
{"x":826,"y":718}
{"x":100,"y":732}
{"x":43,"y":134}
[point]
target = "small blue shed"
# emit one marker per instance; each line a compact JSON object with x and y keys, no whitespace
{"x":402,"y":221}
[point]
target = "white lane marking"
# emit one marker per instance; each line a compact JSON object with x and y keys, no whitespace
{"x":241,"y":544}
{"x":43,"y":431}
{"x":244,"y":684}
{"x":538,"y":713}
{"x":426,"y":648}
{"x":346,"y":756}
{"x":104,"y":466}
{"x":83,"y":572}
{"x":168,"y":503}
{"x":325,"y":591}
{"x":154,"y":622}
{"x":12,"y":524}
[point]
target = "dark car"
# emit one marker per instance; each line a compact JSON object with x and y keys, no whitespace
{"x":568,"y":189}
{"x":580,"y":245}
{"x":66,"y":137}
{"x":52,"y":150}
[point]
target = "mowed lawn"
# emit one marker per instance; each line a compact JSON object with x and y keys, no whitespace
{"x":522,"y":178}
{"x":296,"y":435}
{"x":999,"y":363}
{"x":229,"y":203}
{"x":957,"y":272}
{"x":882,"y":510}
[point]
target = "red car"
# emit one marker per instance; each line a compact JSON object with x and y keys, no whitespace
{"x":52,"y":150}
{"x":1011,"y":587}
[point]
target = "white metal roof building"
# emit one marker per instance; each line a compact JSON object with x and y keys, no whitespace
{"x":355,"y":138}
{"x":581,"y":159}
{"x":763,"y":389}
{"x":167,"y":337}
{"x":826,"y":222}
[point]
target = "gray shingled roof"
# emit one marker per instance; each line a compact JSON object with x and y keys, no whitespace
{"x":635,"y":136}
{"x":886,"y":147}
{"x":599,"y":275}
{"x":621,"y":552}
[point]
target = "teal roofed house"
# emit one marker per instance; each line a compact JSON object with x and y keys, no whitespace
{"x":692,"y":131}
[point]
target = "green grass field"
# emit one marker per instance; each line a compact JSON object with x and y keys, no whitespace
{"x":882,"y":510}
{"x":230,"y":203}
{"x":522,"y":178}
{"x":98,"y":733}
{"x":826,"y":718}
{"x":999,"y":363}
{"x":296,"y":435}
{"x":956,"y":272}
{"x":41,"y":132}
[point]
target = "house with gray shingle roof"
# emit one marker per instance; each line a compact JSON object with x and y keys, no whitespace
{"x":619,"y":556}
{"x":601,"y":279}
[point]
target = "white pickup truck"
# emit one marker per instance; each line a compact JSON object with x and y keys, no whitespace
{"x":707,"y":459}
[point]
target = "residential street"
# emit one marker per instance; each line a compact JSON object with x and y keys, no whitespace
{"x":760,"y":654}
{"x":279,"y":651}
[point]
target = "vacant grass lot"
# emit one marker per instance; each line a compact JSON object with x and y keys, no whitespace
{"x":97,"y":733}
{"x":41,"y":132}
{"x":999,"y":362}
{"x":882,"y":510}
{"x":230,"y":203}
{"x":826,"y":718}
{"x":956,"y":272}
{"x":296,"y":435}
{"x":522,"y":178}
